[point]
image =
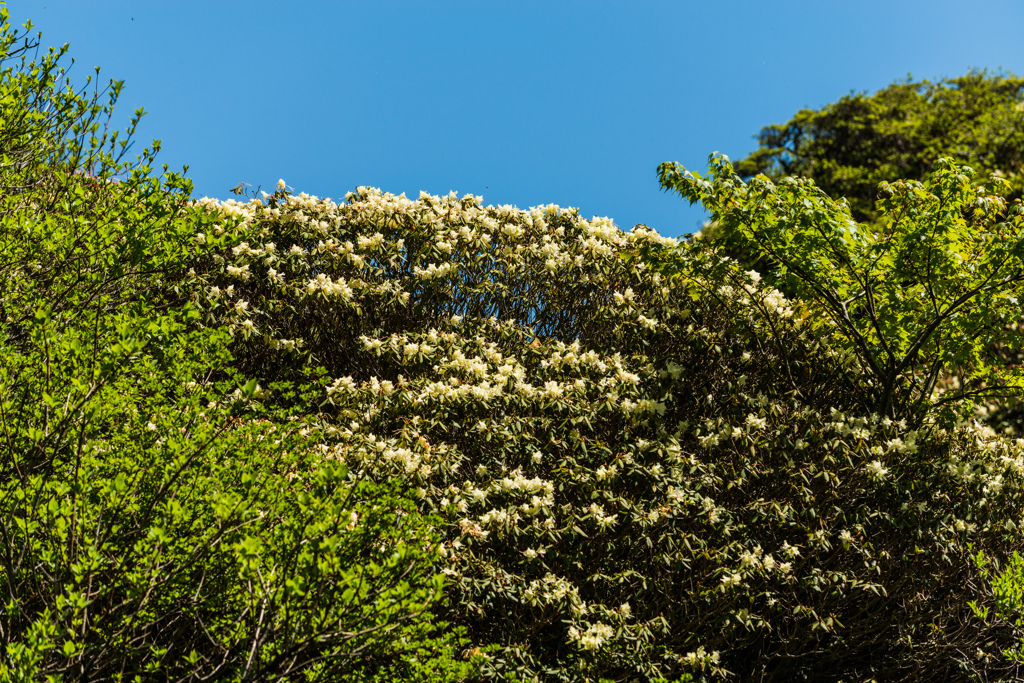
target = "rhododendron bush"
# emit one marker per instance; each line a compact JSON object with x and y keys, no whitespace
{"x":649,"y":463}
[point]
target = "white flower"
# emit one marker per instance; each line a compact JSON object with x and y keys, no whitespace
{"x":708,"y":440}
{"x":755,"y":422}
{"x":749,"y":559}
{"x":877,"y":470}
{"x":622,"y":298}
{"x":280,"y":184}
{"x":603,"y":520}
{"x":649,"y":323}
{"x":552,"y":390}
{"x":328,"y":287}
{"x":342,"y":384}
{"x":593,"y":638}
{"x":248,"y":328}
{"x":701,"y":657}
{"x":731,"y":580}
{"x":239,"y":273}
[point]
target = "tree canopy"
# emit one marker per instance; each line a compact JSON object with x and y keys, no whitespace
{"x":851,"y":146}
{"x":924,"y":298}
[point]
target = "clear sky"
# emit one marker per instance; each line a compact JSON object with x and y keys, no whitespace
{"x":525,"y":103}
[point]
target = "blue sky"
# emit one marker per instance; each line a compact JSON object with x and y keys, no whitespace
{"x":526,"y":103}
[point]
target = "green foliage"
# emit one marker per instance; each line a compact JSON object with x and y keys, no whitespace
{"x":1007,"y":588}
{"x":852,"y":146}
{"x":928,"y":298}
{"x":156,"y":519}
{"x":924,"y":299}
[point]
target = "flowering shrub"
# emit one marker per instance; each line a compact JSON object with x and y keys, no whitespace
{"x":643,"y":476}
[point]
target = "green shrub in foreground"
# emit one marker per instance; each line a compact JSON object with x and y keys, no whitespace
{"x":181,"y":540}
{"x":156,"y":521}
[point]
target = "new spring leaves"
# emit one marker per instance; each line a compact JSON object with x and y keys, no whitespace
{"x":928,"y":298}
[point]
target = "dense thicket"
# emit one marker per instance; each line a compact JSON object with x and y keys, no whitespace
{"x":650,"y":463}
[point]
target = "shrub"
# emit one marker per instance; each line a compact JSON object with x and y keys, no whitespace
{"x":854,"y":147}
{"x":1007,"y":592}
{"x":644,"y":474}
{"x":926,"y":300}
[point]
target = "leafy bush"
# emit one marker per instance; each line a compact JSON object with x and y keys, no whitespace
{"x":652,"y":464}
{"x":854,"y":147}
{"x":155,"y":519}
{"x":1007,"y":591}
{"x":926,"y":300}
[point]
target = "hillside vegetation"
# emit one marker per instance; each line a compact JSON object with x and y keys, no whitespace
{"x":288,"y":438}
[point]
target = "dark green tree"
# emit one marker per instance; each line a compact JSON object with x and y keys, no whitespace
{"x":850,"y":146}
